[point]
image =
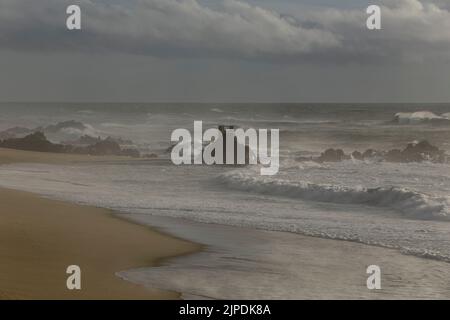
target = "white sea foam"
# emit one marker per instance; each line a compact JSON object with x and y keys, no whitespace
{"x":203,"y":194}
{"x":420,"y":117}
{"x":87,"y":130}
{"x":410,"y":203}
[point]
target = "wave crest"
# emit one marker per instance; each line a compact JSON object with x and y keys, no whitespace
{"x":410,"y":204}
{"x":421,"y":117}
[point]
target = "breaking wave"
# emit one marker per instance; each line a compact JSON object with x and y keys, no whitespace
{"x":410,"y":204}
{"x":421,"y":117}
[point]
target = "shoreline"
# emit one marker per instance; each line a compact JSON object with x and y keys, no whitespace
{"x":40,"y":238}
{"x":125,"y":256}
{"x":281,"y":265}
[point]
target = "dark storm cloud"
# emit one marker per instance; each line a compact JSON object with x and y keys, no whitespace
{"x":412,"y":30}
{"x":225,"y":51}
{"x":160,"y":27}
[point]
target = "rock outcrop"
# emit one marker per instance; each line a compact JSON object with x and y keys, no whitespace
{"x":248,"y":154}
{"x":332,"y":155}
{"x":33,"y":142}
{"x":414,"y":152}
{"x":38,"y":142}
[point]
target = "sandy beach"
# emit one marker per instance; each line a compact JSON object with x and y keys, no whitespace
{"x":39,"y":238}
{"x":8,"y":156}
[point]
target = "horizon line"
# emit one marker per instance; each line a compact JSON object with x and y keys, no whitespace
{"x":225,"y":102}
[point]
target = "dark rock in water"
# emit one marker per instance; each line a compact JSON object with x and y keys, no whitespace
{"x":248,"y":154}
{"x":414,"y":152}
{"x":332,"y":155}
{"x":32,"y":142}
{"x":357,"y":155}
{"x":38,"y":142}
{"x":369,"y":153}
{"x":84,"y":141}
{"x":394,"y":155}
{"x":35,"y":140}
{"x":104,"y":147}
{"x":422,"y":151}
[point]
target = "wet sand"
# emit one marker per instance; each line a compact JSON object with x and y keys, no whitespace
{"x":40,"y":238}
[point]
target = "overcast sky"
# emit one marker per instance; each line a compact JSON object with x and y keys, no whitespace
{"x":225,"y":51}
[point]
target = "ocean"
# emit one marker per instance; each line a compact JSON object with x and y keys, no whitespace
{"x":401,"y":206}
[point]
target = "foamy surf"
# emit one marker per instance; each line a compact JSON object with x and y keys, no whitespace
{"x":137,"y":188}
{"x":410,"y":204}
{"x":420,"y":117}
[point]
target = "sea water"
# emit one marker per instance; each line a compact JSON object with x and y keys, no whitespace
{"x":403,"y":206}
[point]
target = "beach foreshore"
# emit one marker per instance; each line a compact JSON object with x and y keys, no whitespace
{"x":40,"y":238}
{"x":9,"y":156}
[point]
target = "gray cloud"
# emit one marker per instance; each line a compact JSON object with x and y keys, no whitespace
{"x":152,"y":26}
{"x":413,"y":30}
